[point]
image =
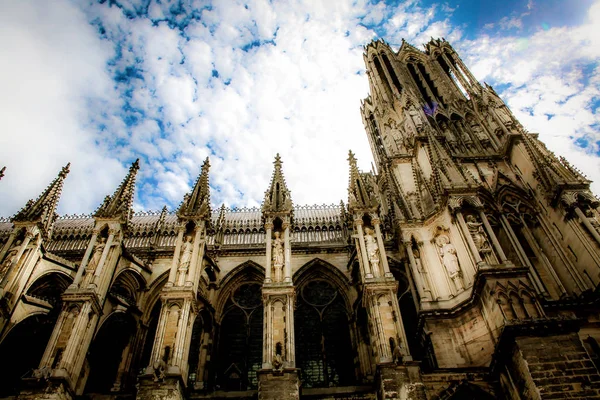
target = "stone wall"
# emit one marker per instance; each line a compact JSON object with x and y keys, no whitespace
{"x":554,"y":367}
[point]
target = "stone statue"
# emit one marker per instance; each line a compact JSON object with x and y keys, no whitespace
{"x":186,"y":253}
{"x":416,"y":117}
{"x":477,"y":233}
{"x":417,"y":257}
{"x":478,"y":131}
{"x":98,"y":249}
{"x":372,"y":248}
{"x":10,"y":258}
{"x":278,"y":359}
{"x":278,"y":256}
{"x":398,"y":353}
{"x":590,"y":216}
{"x":159,"y":368}
{"x":448,"y":134}
{"x":450,"y":260}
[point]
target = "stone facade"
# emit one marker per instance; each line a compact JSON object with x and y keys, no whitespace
{"x":466,"y":266}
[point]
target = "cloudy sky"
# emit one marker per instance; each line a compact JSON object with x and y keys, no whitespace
{"x":101,"y":83}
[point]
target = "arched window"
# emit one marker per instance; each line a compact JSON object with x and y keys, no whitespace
{"x":383,"y":78}
{"x":241,"y":341}
{"x":324,"y":351}
{"x":392,"y":73}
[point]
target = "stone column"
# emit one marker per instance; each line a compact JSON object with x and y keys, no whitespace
{"x":587,"y":224}
{"x":288,"y":254}
{"x":85,"y":260}
{"x":269,"y":234}
{"x":384,"y":261}
{"x":174,"y":262}
{"x":363,"y":248}
{"x":465,"y":230}
{"x":493,"y":237}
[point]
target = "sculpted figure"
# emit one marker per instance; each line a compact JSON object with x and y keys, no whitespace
{"x":10,"y":258}
{"x":372,"y":248}
{"x":450,"y":137}
{"x":278,"y":256}
{"x":416,"y":117}
{"x":278,"y":359}
{"x":450,"y":260}
{"x":398,"y":353}
{"x":590,"y":216}
{"x":98,"y":249}
{"x":478,"y":131}
{"x":186,"y":254}
{"x":477,"y":233}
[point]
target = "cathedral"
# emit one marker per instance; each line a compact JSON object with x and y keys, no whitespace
{"x":466,"y":265}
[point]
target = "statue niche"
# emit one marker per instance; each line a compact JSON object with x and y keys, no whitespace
{"x":449,"y":258}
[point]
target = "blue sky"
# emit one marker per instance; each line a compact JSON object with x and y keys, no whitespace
{"x":101,"y":83}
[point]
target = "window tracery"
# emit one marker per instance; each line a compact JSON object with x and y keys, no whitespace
{"x":323,"y":347}
{"x":241,"y":340}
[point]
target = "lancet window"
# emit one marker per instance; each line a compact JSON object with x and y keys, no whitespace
{"x":392,"y":73}
{"x":450,"y":67}
{"x":324,"y":352}
{"x":241,"y":339}
{"x":383,"y":78}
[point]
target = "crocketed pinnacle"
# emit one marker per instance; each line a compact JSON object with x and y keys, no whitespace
{"x":278,"y":198}
{"x":360,"y":188}
{"x":197,"y":204}
{"x":119,"y":205}
{"x":43,"y":210}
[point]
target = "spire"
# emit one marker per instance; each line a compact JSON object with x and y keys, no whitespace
{"x":197,"y":204}
{"x":278,"y":198}
{"x":361,"y":188}
{"x":121,"y":202}
{"x":43,"y":210}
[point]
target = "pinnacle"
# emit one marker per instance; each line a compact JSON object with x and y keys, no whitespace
{"x":43,"y":210}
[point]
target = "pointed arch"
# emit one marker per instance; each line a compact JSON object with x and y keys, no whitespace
{"x":247,"y":272}
{"x":318,"y":268}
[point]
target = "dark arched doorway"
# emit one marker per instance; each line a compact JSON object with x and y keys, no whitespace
{"x":22,"y":350}
{"x":106,"y":352}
